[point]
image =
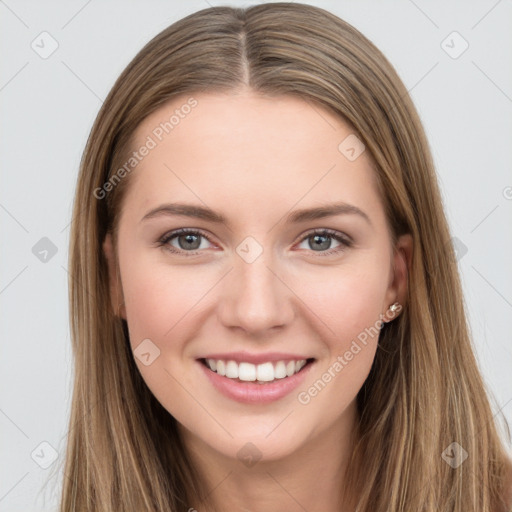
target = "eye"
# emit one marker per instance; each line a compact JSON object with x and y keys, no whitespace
{"x":187,"y":241}
{"x":321,"y":239}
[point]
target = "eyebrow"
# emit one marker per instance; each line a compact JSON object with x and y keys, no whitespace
{"x":296,"y":216}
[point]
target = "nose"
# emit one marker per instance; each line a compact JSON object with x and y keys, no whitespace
{"x":255,"y":298}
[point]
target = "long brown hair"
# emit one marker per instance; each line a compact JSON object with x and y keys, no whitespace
{"x":424,"y":391}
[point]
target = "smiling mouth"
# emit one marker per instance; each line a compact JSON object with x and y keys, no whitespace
{"x":264,"y":373}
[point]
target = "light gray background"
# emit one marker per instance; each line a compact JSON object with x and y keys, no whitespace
{"x":48,"y":106}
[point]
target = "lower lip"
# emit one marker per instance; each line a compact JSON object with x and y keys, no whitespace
{"x":252,"y":392}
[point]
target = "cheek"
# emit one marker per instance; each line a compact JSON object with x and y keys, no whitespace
{"x":161,"y":303}
{"x":347,"y":300}
{"x":348,"y":304}
{"x":160,"y":300}
{"x":350,"y":310}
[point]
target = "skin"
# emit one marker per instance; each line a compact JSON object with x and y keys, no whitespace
{"x":255,"y":160}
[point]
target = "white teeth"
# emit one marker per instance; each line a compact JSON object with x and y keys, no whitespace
{"x":280,"y":370}
{"x":265,"y":372}
{"x":232,"y":370}
{"x":247,"y":371}
{"x":221,"y":368}
{"x":299,"y":365}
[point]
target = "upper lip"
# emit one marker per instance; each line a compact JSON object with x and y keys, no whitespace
{"x":246,"y":357}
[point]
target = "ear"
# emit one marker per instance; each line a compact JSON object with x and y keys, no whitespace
{"x":401,"y":264}
{"x":116,"y":293}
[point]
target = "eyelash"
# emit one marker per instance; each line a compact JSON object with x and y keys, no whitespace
{"x":336,"y":235}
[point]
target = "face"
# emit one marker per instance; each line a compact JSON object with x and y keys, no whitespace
{"x":267,"y":284}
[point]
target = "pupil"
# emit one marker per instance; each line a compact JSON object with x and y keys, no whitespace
{"x":325,"y":244}
{"x":189,"y":240}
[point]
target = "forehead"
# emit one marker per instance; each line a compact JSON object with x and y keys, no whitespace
{"x":244,"y":148}
{"x":251,"y":121}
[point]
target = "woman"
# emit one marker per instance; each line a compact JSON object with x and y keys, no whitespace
{"x":265,"y":305}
